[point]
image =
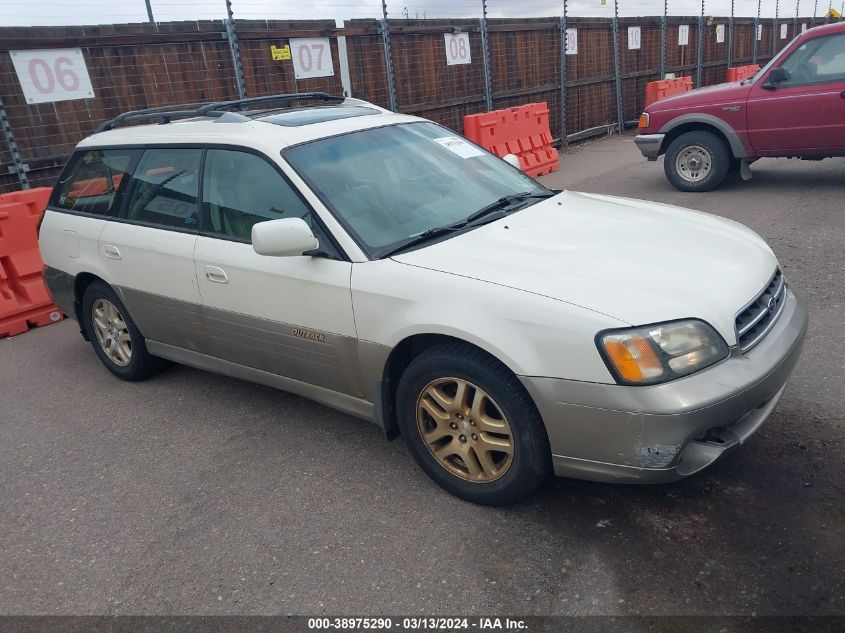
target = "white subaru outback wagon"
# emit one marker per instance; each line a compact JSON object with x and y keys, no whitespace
{"x":381,"y":265}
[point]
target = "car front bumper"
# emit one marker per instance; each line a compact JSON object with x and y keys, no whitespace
{"x":649,"y":144}
{"x":667,"y":432}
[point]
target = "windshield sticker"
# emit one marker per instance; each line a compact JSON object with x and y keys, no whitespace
{"x":459,"y":146}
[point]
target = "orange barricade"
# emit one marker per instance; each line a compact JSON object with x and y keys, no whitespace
{"x":24,"y":299}
{"x":738,"y":73}
{"x":656,"y":90}
{"x":521,"y":130}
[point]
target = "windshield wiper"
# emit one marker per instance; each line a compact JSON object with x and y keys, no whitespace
{"x":424,"y":237}
{"x":499,"y":206}
{"x":507,"y":201}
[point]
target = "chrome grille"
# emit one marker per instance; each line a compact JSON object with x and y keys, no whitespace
{"x":756,"y":319}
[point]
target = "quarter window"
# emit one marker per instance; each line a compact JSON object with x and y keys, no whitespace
{"x":164,"y":188}
{"x":94,"y":181}
{"x":242,"y":189}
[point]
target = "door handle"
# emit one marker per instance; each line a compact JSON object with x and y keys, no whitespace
{"x":112,"y":252}
{"x":217,"y":275}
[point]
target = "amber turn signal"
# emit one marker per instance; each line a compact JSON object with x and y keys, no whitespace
{"x":634,"y":358}
{"x":643,"y":122}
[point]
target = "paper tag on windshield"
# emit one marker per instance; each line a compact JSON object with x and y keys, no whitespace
{"x":459,"y":146}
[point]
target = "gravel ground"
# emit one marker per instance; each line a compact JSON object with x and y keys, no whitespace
{"x":192,"y":493}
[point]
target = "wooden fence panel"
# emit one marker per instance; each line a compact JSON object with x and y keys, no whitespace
{"x":265,"y":76}
{"x":638,"y":66}
{"x":425,"y":84}
{"x":525,"y":64}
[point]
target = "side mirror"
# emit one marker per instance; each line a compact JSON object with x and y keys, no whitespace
{"x":287,"y":237}
{"x":512,"y":159}
{"x":775,"y":77}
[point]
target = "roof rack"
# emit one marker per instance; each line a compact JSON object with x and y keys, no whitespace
{"x":212,"y":109}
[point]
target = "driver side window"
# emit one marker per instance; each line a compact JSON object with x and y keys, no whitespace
{"x":242,"y":189}
{"x":821,"y":60}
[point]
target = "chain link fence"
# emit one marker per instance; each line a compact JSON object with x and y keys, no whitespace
{"x":440,"y":59}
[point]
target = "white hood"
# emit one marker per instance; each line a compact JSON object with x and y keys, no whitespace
{"x":640,"y":262}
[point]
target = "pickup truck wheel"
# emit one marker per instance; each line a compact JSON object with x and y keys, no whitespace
{"x":697,"y":161}
{"x":471,"y":426}
{"x":114,"y":335}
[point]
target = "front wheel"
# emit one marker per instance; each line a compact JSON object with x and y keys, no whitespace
{"x":697,"y":161}
{"x":471,"y":426}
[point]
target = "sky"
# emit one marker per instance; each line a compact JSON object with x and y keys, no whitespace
{"x":67,"y":12}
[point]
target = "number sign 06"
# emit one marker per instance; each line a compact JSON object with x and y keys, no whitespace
{"x":312,"y":57}
{"x":52,"y":75}
{"x":457,"y":49}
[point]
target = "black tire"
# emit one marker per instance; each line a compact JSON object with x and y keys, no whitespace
{"x":715,"y":150}
{"x":141,"y":363}
{"x":531,"y":456}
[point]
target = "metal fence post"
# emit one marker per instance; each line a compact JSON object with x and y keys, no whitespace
{"x":149,"y":11}
{"x":235,"y":49}
{"x":731,"y":36}
{"x":815,"y":12}
{"x":699,"y":53}
{"x":388,"y":57}
{"x":617,"y":68}
{"x":775,"y":28}
{"x":485,"y":58}
{"x":795,"y":20}
{"x":562,"y":29}
{"x":663,"y":27}
{"x":19,"y":166}
{"x":756,"y":28}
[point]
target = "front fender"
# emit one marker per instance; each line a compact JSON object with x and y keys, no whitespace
{"x":738,"y":147}
{"x":531,"y":334}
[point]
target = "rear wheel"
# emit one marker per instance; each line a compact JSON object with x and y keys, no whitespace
{"x":471,"y":425}
{"x":697,"y":161}
{"x":114,"y":336}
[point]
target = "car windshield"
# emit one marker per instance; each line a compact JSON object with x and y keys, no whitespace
{"x":392,"y":184}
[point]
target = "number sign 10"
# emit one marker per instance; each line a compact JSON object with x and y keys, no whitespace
{"x":312,"y":57}
{"x":457,"y":49}
{"x":52,"y":75}
{"x":634,"y":38}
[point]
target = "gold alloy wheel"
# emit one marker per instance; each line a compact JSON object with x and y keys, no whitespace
{"x":111,"y":332}
{"x":465,"y":430}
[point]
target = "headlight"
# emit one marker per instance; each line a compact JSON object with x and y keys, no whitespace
{"x":658,"y":353}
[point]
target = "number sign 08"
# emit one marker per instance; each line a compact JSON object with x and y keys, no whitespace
{"x":457,"y":49}
{"x":52,"y":75}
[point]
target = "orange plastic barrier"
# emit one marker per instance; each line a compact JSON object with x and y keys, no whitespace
{"x":738,"y":73}
{"x":656,"y":90}
{"x":521,"y":130}
{"x":24,"y":300}
{"x":93,"y":187}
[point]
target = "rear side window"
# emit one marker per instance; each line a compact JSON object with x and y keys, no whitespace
{"x":164,"y":188}
{"x":94,"y":181}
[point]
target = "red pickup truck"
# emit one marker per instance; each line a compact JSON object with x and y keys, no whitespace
{"x":794,"y":107}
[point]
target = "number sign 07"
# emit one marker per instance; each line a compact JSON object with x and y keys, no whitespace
{"x":457,"y":49}
{"x":312,"y":57}
{"x":52,"y":75}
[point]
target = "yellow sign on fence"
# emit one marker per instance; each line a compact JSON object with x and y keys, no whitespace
{"x":833,"y":13}
{"x":280,"y":54}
